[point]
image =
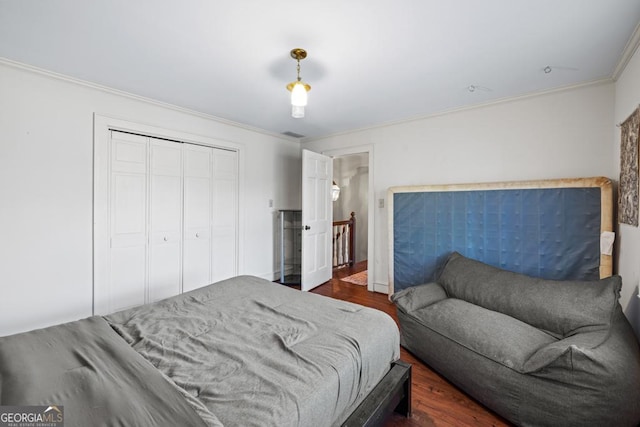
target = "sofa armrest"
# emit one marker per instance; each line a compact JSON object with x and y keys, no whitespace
{"x":417,"y":297}
{"x":611,"y":353}
{"x":560,"y":353}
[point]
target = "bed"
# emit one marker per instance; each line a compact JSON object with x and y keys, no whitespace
{"x":243,"y":351}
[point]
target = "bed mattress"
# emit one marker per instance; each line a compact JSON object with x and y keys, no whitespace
{"x":241,"y":352}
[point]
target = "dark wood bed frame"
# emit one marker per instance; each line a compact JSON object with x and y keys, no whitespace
{"x":392,"y":394}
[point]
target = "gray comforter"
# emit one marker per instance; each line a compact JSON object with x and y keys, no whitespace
{"x":259,"y":354}
{"x":88,"y":369}
{"x":240,"y":352}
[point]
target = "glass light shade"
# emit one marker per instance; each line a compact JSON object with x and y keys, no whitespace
{"x":335,"y":192}
{"x":297,"y":112}
{"x":299,"y":95}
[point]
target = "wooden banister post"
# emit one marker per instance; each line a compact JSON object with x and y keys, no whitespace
{"x":352,"y":240}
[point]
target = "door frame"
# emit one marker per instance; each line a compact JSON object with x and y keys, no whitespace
{"x":369,"y":149}
{"x":102,"y":126}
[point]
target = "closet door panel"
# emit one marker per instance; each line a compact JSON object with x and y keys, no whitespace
{"x":197,"y":217}
{"x":128,"y":221}
{"x":165,"y":220}
{"x":127,"y":278}
{"x":225,"y":214}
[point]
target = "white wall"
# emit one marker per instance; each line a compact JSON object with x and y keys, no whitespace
{"x":627,"y":98}
{"x":554,"y":135}
{"x":46,"y":190}
{"x":46,"y":155}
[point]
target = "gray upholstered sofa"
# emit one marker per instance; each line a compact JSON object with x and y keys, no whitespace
{"x":535,"y":351}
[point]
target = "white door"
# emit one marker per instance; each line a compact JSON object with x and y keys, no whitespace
{"x":197,"y":217}
{"x":317,"y":217}
{"x":128,"y":222}
{"x":165,"y":219}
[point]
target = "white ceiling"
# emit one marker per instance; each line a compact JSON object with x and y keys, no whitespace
{"x":369,"y":61}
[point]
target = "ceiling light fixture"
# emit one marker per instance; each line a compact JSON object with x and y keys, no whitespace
{"x":335,"y":191}
{"x":298,"y":88}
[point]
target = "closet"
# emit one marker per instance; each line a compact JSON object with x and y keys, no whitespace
{"x":171,"y":220}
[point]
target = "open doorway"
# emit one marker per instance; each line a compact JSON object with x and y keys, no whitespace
{"x":351,"y":217}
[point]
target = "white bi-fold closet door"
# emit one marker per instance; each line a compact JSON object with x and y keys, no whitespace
{"x":172,"y":215}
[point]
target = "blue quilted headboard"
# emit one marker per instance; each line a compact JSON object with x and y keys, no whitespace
{"x":550,"y":229}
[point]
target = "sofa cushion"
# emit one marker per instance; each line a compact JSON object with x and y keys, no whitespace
{"x":416,"y":297}
{"x":562,"y":308}
{"x":494,"y":335}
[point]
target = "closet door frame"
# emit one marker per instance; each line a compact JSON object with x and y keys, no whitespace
{"x":102,"y":127}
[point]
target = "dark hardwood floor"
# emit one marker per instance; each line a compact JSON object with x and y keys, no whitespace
{"x":435,"y":402}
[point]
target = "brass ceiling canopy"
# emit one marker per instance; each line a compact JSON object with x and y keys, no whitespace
{"x":298,"y":53}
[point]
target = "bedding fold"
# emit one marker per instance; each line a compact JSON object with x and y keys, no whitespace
{"x":88,"y":369}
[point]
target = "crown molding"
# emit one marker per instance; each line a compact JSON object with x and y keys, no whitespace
{"x":151,"y":101}
{"x":627,"y":53}
{"x":529,"y":95}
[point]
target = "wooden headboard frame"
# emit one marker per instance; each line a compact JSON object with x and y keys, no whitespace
{"x":606,"y":215}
